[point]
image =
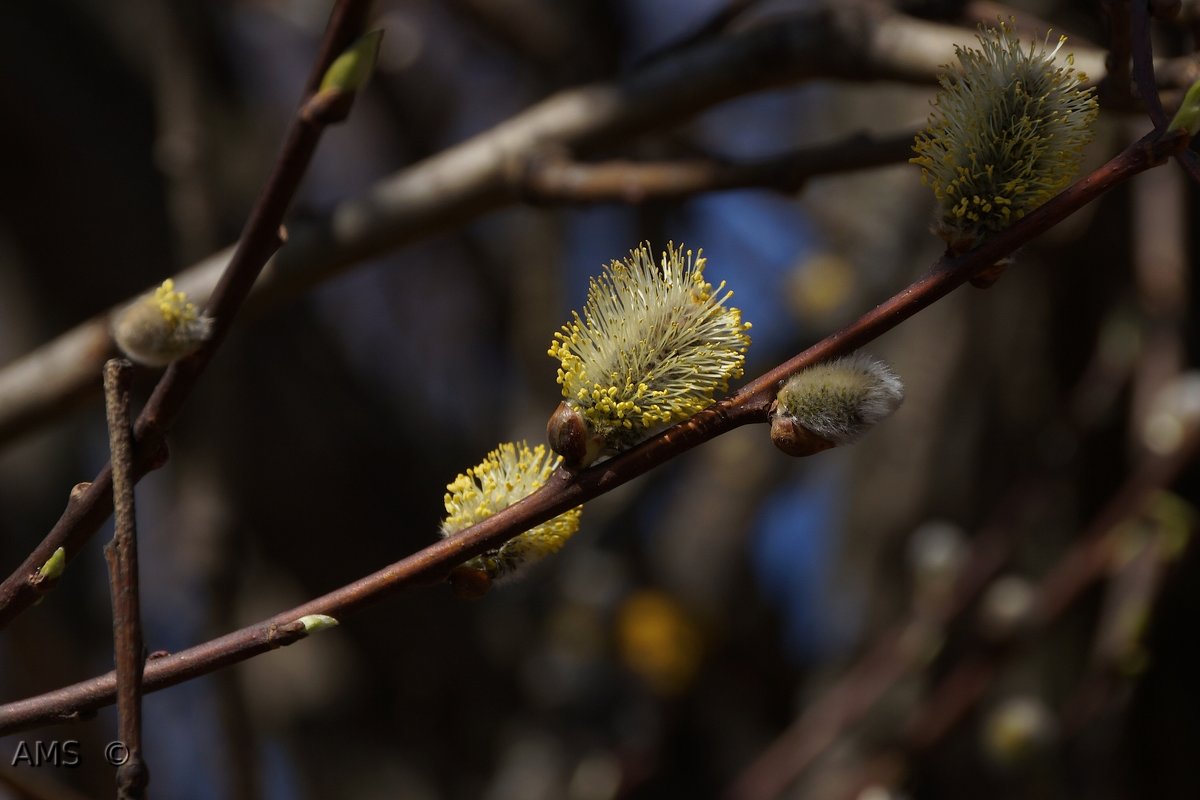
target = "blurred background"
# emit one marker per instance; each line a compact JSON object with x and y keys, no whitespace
{"x":931,"y":613}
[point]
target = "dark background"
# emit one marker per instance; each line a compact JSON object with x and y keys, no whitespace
{"x":700,"y":608}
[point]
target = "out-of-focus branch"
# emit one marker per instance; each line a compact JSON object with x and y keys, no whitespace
{"x":262,"y":236}
{"x":566,"y":489}
{"x":1088,"y":561}
{"x":853,"y":41}
{"x":556,"y":179}
{"x":898,"y":652}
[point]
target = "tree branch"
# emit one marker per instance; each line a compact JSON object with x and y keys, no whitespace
{"x":121,"y":554}
{"x":852,"y":41}
{"x":557,"y":179}
{"x":261,"y":237}
{"x":565,"y":489}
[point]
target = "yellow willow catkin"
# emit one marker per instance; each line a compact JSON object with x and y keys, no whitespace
{"x":655,"y":344}
{"x":507,"y":474}
{"x":161,"y":327}
{"x":1006,"y":133}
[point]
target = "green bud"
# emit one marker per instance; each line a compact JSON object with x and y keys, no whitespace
{"x":317,"y":622}
{"x":1187,"y":118}
{"x":350,"y":71}
{"x":54,"y":566}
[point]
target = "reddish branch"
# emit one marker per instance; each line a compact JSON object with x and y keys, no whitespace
{"x":121,"y":554}
{"x":565,"y":490}
{"x":87,"y":510}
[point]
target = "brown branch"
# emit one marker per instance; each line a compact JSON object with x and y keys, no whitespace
{"x":853,"y":41}
{"x":565,"y":489}
{"x":260,"y":239}
{"x":1143,"y":61}
{"x":121,"y":554}
{"x":557,"y":179}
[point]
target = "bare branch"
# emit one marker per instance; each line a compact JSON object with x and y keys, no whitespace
{"x":554,"y":179}
{"x":121,"y":554}
{"x":260,"y":239}
{"x":847,"y":40}
{"x":565,"y":489}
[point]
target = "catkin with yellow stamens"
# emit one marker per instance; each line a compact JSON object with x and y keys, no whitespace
{"x":655,"y":344}
{"x":507,"y":474}
{"x":1006,"y":133}
{"x":161,"y":327}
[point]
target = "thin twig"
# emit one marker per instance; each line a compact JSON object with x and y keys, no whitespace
{"x":560,"y":180}
{"x":1143,"y":61}
{"x":260,"y":238}
{"x":565,"y":489}
{"x":856,"y":41}
{"x":121,"y":553}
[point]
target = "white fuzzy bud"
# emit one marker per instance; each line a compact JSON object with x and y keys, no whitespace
{"x":161,"y":327}
{"x":833,"y":403}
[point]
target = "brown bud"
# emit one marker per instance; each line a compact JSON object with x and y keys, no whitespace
{"x":796,"y":440}
{"x":568,"y":435}
{"x":78,"y":489}
{"x":469,"y":583}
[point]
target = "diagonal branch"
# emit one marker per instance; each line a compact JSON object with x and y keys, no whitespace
{"x":261,"y":237}
{"x":565,"y":489}
{"x":852,"y":41}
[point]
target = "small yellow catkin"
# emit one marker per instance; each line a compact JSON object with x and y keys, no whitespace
{"x":507,"y":474}
{"x":161,"y":327}
{"x":833,"y":403}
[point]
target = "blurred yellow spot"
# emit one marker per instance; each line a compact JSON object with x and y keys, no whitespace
{"x":657,"y":641}
{"x":820,"y":287}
